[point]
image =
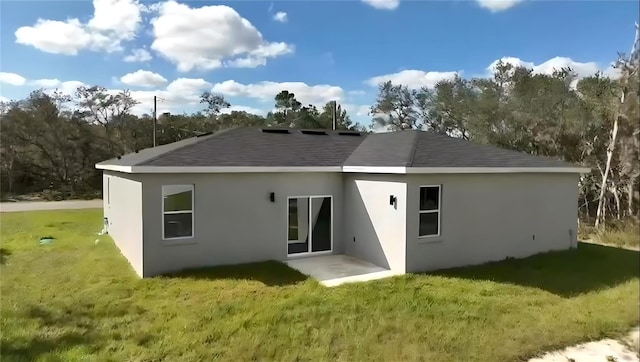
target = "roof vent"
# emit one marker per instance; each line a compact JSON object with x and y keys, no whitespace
{"x":349,"y":133}
{"x":309,"y":131}
{"x":275,"y":130}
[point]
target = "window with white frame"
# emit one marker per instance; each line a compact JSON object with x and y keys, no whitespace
{"x":430,"y":197}
{"x":177,"y":211}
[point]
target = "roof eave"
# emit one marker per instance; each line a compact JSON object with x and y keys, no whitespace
{"x":346,"y":169}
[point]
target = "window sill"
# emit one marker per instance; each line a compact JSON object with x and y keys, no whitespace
{"x":429,"y":239}
{"x":179,"y":241}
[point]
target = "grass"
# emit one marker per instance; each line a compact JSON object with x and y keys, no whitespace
{"x":625,"y":233}
{"x":75,"y":300}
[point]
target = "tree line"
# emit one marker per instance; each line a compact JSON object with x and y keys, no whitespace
{"x":51,"y":141}
{"x":593,"y":122}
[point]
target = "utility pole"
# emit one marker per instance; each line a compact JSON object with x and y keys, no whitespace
{"x":334,"y":114}
{"x":155,"y":118}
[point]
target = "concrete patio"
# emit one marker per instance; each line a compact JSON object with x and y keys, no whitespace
{"x":334,"y":270}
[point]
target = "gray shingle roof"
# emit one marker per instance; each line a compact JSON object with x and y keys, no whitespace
{"x":251,"y":146}
{"x":427,"y":149}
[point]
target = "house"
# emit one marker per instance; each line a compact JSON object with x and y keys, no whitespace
{"x":405,"y":201}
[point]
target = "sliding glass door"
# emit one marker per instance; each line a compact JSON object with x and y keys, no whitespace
{"x":309,"y":224}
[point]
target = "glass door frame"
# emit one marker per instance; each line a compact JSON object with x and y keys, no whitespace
{"x":310,"y":229}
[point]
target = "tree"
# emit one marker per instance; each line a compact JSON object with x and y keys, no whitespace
{"x":287,"y":106}
{"x":628,"y":71}
{"x":98,"y":106}
{"x":395,"y":108}
{"x":214,"y":102}
{"x":325,"y":118}
{"x":45,"y":138}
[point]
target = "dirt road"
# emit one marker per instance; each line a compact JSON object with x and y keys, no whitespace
{"x":49,"y":205}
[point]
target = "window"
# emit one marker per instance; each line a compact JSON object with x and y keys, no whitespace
{"x":177,"y":211}
{"x":293,"y":219}
{"x":429,"y":211}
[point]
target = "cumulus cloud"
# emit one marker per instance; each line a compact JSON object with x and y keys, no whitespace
{"x":143,"y":78}
{"x":138,"y":56}
{"x":252,"y":110}
{"x":497,"y":5}
{"x":113,"y":22}
{"x":45,"y":83}
{"x":582,"y":69}
{"x":266,"y":91}
{"x":182,"y":94}
{"x":280,"y":16}
{"x":413,"y":79}
{"x":12,"y":78}
{"x":210,"y":37}
{"x":357,"y":110}
{"x":383,"y":4}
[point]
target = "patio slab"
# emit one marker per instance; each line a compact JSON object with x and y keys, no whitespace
{"x":334,"y":270}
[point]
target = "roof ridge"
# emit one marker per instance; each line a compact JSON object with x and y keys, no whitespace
{"x":414,"y":147}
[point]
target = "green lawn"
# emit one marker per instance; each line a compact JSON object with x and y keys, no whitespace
{"x":78,"y":300}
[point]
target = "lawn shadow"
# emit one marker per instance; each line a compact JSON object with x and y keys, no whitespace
{"x":271,"y":273}
{"x":74,"y":326}
{"x":567,"y":273}
{"x":65,"y":327}
{"x":4,"y":254}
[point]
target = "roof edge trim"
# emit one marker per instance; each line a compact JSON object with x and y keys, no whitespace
{"x":568,"y":169}
{"x":216,"y":169}
{"x":347,"y":169}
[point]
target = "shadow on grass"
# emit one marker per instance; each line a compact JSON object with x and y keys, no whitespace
{"x":71,"y":326}
{"x":74,"y":327}
{"x":271,"y":273}
{"x":568,"y":273}
{"x":4,"y":254}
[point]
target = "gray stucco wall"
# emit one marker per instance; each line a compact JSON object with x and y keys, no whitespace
{"x":375,"y":230}
{"x":235,"y":222}
{"x":123,"y":207}
{"x":488,"y":217}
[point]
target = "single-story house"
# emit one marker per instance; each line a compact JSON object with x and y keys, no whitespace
{"x":406,"y":201}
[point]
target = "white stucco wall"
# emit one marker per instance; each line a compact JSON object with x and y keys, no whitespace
{"x":374,"y":230}
{"x":235,"y":222}
{"x":123,"y":207}
{"x":489,"y":217}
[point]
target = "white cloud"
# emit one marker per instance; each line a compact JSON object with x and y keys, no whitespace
{"x":210,"y":37}
{"x":188,"y":85}
{"x":266,"y":91}
{"x":45,"y":83}
{"x":383,"y":4}
{"x":582,"y":69}
{"x":49,"y":85}
{"x":413,"y":79}
{"x":143,"y":78}
{"x":138,"y":55}
{"x":498,"y":5}
{"x":180,"y":95}
{"x":12,"y":78}
{"x":4,"y":99}
{"x":280,"y":16}
{"x":260,"y":112}
{"x":357,"y":110}
{"x":113,"y":22}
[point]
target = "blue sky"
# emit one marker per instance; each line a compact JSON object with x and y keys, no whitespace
{"x":320,"y":50}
